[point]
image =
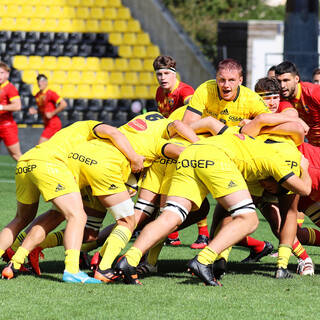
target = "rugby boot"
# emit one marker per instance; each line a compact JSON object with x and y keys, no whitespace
{"x":80,"y":277}
{"x":282,"y":273}
{"x":95,"y":261}
{"x":126,"y":271}
{"x":33,"y":258}
{"x":256,"y":256}
{"x":219,"y":268}
{"x":107,"y":275}
{"x":200,"y":243}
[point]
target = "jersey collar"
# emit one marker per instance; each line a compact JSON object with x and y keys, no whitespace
{"x":298,"y":95}
{"x":4,"y":84}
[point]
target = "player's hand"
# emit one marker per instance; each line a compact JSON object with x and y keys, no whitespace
{"x":244,"y":122}
{"x":304,"y":164}
{"x":304,"y":125}
{"x":49,"y":115}
{"x":33,"y":110}
{"x":137,"y":164}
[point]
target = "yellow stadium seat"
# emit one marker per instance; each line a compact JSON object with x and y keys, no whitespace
{"x":55,"y":12}
{"x":59,"y":77}
{"x":146,"y":78}
{"x":56,"y":88}
{"x":72,"y":3}
{"x":23,"y":24}
{"x":114,"y":3}
{"x":87,"y":3}
{"x":153,"y":90}
{"x":112,"y":92}
{"x":37,"y":24}
{"x":116,"y":77}
{"x":97,"y":13}
{"x":99,"y":91}
{"x":78,"y":63}
{"x":92,"y":25}
{"x":87,"y":77}
{"x":35,"y":63}
{"x":126,"y":92}
{"x":3,"y":10}
{"x":64,"y":63}
{"x":46,"y":72}
{"x":148,"y":64}
{"x":40,"y":12}
{"x":107,"y":64}
{"x":106,"y":26}
{"x":34,"y":89}
{"x":7,"y":23}
{"x":102,"y":77}
{"x":32,"y":2}
{"x":135,"y":64}
{"x":74,"y":77}
{"x":29,"y":76}
{"x":121,"y":64}
{"x":125,"y":51}
{"x":82,"y":13}
{"x":139,"y":51}
{"x":50,"y":63}
{"x":13,"y":11}
{"x":133,"y":26}
{"x":115,"y":38}
{"x":111,"y":13}
{"x":27,"y":11}
{"x":130,"y":38}
{"x":69,"y":91}
{"x":65,"y":24}
{"x":123,"y":13}
{"x":142,"y":92}
{"x":52,"y":25}
{"x":120,"y":26}
{"x":78,"y":25}
{"x":84,"y":91}
{"x":131,"y":78}
{"x":143,"y":38}
{"x":93,"y":64}
{"x":20,"y":62}
{"x":68,"y":12}
{"x":152,"y":51}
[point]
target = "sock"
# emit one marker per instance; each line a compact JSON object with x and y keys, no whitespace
{"x":203,"y":227}
{"x":116,"y":241}
{"x":19,"y":257}
{"x":224,"y":254}
{"x":173,"y":235}
{"x":207,"y":256}
{"x":133,"y":256}
{"x":17,"y":242}
{"x":253,"y":243}
{"x":72,"y":260}
{"x":314,"y":236}
{"x":284,"y":252}
{"x":2,"y":252}
{"x":299,"y":251}
{"x":52,"y":240}
{"x":154,"y":253}
{"x":86,"y":247}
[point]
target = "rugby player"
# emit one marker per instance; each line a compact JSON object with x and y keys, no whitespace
{"x":316,"y":76}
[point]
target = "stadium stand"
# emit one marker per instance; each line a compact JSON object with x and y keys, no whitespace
{"x":92,"y":52}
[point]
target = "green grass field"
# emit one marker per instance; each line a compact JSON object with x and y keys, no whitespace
{"x":249,"y":290}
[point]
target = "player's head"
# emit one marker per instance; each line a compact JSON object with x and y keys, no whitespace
{"x":269,"y":90}
{"x":42,"y":81}
{"x":271,"y":72}
{"x":165,"y":69}
{"x":4,"y":72}
{"x":316,"y":76}
{"x":288,"y":77}
{"x":229,"y":78}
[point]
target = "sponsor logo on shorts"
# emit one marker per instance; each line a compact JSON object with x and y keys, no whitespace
{"x":59,"y":187}
{"x":231,"y":184}
{"x":82,"y":158}
{"x":25,"y":169}
{"x":113,"y":187}
{"x":185,"y":163}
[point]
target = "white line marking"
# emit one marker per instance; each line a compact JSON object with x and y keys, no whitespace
{"x":7,"y":181}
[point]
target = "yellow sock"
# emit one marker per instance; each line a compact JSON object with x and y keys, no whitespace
{"x":19,"y":257}
{"x":72,"y":260}
{"x":133,"y":256}
{"x":18,"y":241}
{"x":224,"y":254}
{"x":2,"y":252}
{"x":154,"y":253}
{"x":207,"y":256}
{"x":52,"y":240}
{"x":284,"y":253}
{"x":86,"y":247}
{"x":116,"y":241}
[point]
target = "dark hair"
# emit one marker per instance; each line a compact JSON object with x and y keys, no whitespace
{"x":230,"y":64}
{"x":315,"y":71}
{"x":164,"y":62}
{"x":4,"y":66}
{"x":41,"y":77}
{"x":272,"y":68}
{"x":267,"y":85}
{"x":286,"y":67}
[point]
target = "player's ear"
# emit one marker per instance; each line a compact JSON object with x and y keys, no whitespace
{"x":240,"y":79}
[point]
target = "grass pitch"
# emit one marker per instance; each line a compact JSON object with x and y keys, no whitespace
{"x":249,"y":290}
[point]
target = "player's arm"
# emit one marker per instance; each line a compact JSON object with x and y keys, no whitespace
{"x":104,"y":131}
{"x":183,"y":130}
{"x":14,"y":105}
{"x":61,"y":105}
{"x":172,"y":151}
{"x":302,"y":185}
{"x":208,"y":124}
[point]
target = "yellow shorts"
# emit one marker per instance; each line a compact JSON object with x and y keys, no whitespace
{"x":51,"y":179}
{"x":204,"y":169}
{"x":90,"y":201}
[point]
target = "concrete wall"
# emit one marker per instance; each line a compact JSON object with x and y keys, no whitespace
{"x":165,"y":32}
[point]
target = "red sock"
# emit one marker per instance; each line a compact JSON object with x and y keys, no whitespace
{"x":203,"y":231}
{"x":253,"y":243}
{"x":173,"y":235}
{"x":299,"y":251}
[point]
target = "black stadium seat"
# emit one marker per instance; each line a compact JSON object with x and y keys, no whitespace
{"x":55,"y":49}
{"x":70,"y":50}
{"x":27,"y":49}
{"x":32,"y":37}
{"x":4,"y":36}
{"x":17,"y":36}
{"x":75,"y":38}
{"x":89,"y":38}
{"x":42,"y":49}
{"x":95,"y":105}
{"x":12,"y":48}
{"x":46,"y":37}
{"x":61,"y":37}
{"x":15,"y":75}
{"x":80,"y":105}
{"x":24,"y":90}
{"x":102,"y":38}
{"x":84,"y":50}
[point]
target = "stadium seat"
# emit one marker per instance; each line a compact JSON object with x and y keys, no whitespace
{"x":116,"y":77}
{"x":105,"y":25}
{"x":135,"y":64}
{"x":27,"y":49}
{"x":99,"y":91}
{"x":84,"y":91}
{"x":125,"y":51}
{"x":61,"y":37}
{"x":12,"y":48}
{"x":18,"y":116}
{"x":153,"y":90}
{"x":29,"y":76}
{"x":129,"y":38}
{"x":75,"y":38}
{"x":102,"y":38}
{"x":107,"y":64}
{"x":32,"y":37}
{"x":139,"y":52}
{"x":25,"y":90}
{"x":59,"y":77}
{"x":40,"y":12}
{"x":66,"y":24}
{"x":80,"y":105}
{"x":99,"y":50}
{"x":68,"y":12}
{"x":112,"y":92}
{"x":20,"y":62}
{"x":96,"y":13}
{"x":89,"y":38}
{"x":120,"y":26}
{"x":151,"y":105}
{"x":15,"y":75}
{"x":4,"y":36}
{"x":17,"y":36}
{"x":146,"y":78}
{"x":74,"y":77}
{"x":78,"y":25}
{"x":84,"y":50}
{"x":37,"y":24}
{"x":34,"y":63}
{"x":126,"y":92}
{"x":7,"y":23}
{"x":78,"y":63}
{"x":114,"y":3}
{"x":93,"y":64}
{"x":55,"y":12}
{"x":142,"y":92}
{"x":152,"y":51}
{"x":143,"y":38}
{"x":133,"y":26}
{"x":56,"y":87}
{"x":52,"y":25}
{"x":92,"y":25}
{"x":123,"y":13}
{"x":73,"y":3}
{"x":111,"y":13}
{"x":87,"y":3}
{"x":131,"y":78}
{"x":95,"y":105}
{"x":50,"y":63}
{"x":55,"y":49}
{"x":148,"y":64}
{"x":69,"y":91}
{"x":91,"y":115}
{"x":102,"y":77}
{"x":64,"y":63}
{"x":13,"y":11}
{"x":121,"y":64}
{"x":70,"y":50}
{"x":42,"y":49}
{"x":116,"y":38}
{"x":87,"y":77}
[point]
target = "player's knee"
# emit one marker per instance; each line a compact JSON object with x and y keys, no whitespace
{"x":174,"y":212}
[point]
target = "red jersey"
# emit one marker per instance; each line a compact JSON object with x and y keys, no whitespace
{"x":46,"y":101}
{"x":307,"y":103}
{"x":168,"y":102}
{"x":8,"y":92}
